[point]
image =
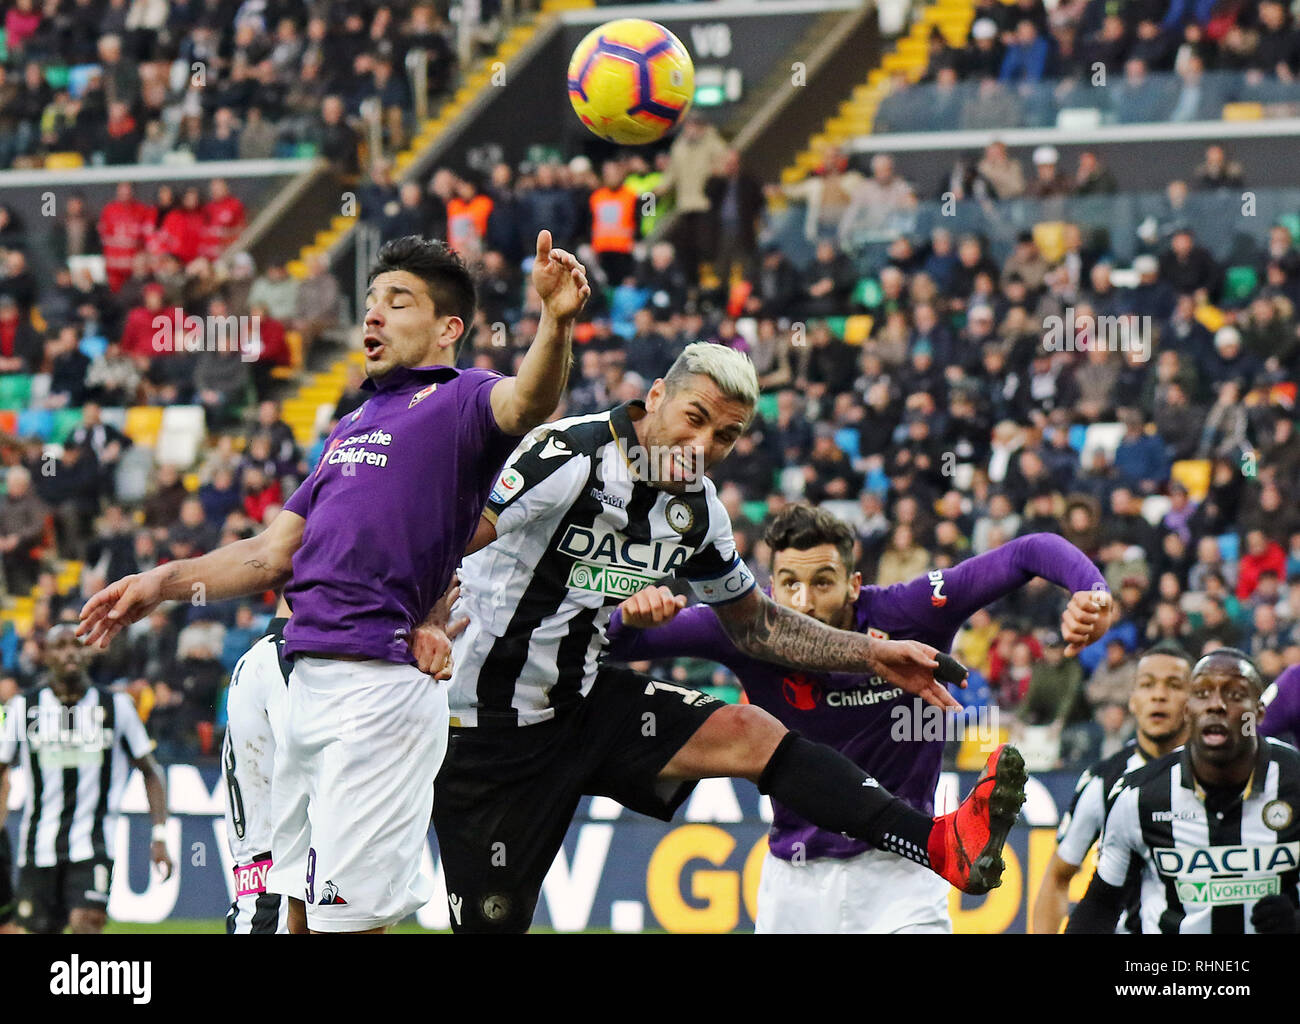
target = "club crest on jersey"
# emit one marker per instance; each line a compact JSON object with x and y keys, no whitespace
{"x":937,"y":597}
{"x":1277,"y":814}
{"x":507,"y":485}
{"x":421,"y":395}
{"x":679,"y":515}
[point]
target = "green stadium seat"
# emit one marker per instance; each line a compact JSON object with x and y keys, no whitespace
{"x":4,"y":47}
{"x":65,"y":422}
{"x":755,"y":511}
{"x":305,"y":150}
{"x":767,"y":406}
{"x":1239,"y":284}
{"x":836,"y":325}
{"x":56,"y":76}
{"x":867,"y":293}
{"x":15,"y":391}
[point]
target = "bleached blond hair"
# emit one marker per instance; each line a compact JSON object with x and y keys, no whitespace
{"x":728,"y":368}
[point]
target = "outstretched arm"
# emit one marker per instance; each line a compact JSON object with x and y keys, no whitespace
{"x":522,"y":402}
{"x":248,"y":566}
{"x":763,"y":629}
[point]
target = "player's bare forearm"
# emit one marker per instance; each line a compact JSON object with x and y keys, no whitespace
{"x":763,"y":629}
{"x":4,"y":794}
{"x":1053,"y":901}
{"x":155,"y":789}
{"x":542,"y":375}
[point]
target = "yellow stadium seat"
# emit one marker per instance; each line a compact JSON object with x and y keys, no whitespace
{"x":1049,"y":236}
{"x":1210,"y":317}
{"x":143,"y":423}
{"x":857,"y":329}
{"x":64,"y":161}
{"x":1243,"y":111}
{"x":1194,"y":474}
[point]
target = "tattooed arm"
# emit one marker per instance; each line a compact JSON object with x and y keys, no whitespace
{"x":248,"y":566}
{"x":763,"y":629}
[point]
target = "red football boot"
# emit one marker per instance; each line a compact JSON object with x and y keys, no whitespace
{"x":966,"y":846}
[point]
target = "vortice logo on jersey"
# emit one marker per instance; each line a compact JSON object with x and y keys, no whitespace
{"x":329,"y":896}
{"x":1226,"y":860}
{"x":605,"y":546}
{"x":607,"y":579}
{"x":1277,"y":814}
{"x":1221,"y":891}
{"x":508,"y":483}
{"x":937,"y":597}
{"x":421,"y":395}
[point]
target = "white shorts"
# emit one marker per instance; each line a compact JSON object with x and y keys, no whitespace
{"x":873,"y":892}
{"x":352,"y":790}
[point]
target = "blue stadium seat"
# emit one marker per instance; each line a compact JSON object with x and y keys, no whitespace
{"x":848,"y":439}
{"x":36,"y":423}
{"x":93,"y":348}
{"x":1229,"y":546}
{"x":1078,"y":434}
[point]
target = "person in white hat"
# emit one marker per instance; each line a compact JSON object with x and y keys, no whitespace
{"x":1048,"y":180}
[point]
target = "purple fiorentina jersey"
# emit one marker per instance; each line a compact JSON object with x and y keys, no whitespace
{"x":854,"y":713}
{"x":1282,"y":715}
{"x":390,"y":507}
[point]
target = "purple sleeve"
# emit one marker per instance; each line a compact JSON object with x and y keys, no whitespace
{"x":299,"y":499}
{"x":694,"y":632}
{"x":983,"y":579}
{"x":1282,"y":716}
{"x":480,"y":422}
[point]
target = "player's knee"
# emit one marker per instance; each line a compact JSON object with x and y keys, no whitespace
{"x":750,"y":733}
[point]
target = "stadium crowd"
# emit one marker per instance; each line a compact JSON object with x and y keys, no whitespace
{"x":908,"y":385}
{"x":154,"y":81}
{"x":1135,"y":62}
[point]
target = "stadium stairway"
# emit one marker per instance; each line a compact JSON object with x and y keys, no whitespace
{"x":305,"y":411}
{"x":909,"y":55}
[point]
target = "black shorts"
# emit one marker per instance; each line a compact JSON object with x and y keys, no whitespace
{"x":6,"y":879}
{"x":505,"y":795}
{"x":47,"y":896}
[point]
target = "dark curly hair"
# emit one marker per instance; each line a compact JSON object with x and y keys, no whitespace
{"x":802,"y":527}
{"x":449,"y":281}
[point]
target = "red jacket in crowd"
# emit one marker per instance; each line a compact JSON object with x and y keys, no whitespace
{"x":1252,"y":565}
{"x":225,"y":222}
{"x":181,"y":234}
{"x":123,"y":230}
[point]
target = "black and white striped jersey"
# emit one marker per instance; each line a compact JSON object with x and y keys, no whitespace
{"x":255,"y":698}
{"x":1082,"y":825}
{"x":76,"y":759}
{"x":1206,"y":860}
{"x":576,"y":535}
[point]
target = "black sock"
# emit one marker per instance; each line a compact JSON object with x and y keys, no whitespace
{"x":824,"y":787}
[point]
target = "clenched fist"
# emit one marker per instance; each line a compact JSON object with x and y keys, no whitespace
{"x":651,"y":607}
